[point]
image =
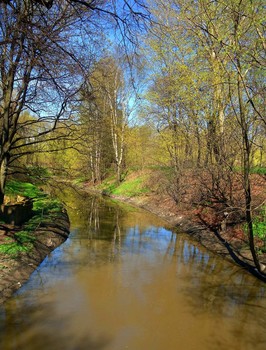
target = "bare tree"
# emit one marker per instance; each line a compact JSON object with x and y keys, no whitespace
{"x":37,"y":61}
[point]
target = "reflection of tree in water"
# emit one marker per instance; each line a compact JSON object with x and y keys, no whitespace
{"x":104,"y":229}
{"x":220,"y":288}
{"x":211,"y":284}
{"x":117,"y":240}
{"x":214,"y":285}
{"x":94,"y":221}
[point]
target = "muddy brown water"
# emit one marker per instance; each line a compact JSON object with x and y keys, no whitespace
{"x":125,"y":280}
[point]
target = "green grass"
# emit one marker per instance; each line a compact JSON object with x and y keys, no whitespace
{"x":131,"y":188}
{"x":253,"y":170}
{"x":80,"y":180}
{"x":14,"y":248}
{"x":109,"y":181}
{"x":128,"y":188}
{"x":44,"y":208}
{"x":25,"y":189}
{"x":259,"y":228}
{"x":46,"y":205}
{"x":22,"y":241}
{"x":258,"y":170}
{"x":42,"y":203}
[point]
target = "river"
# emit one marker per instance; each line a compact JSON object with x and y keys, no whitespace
{"x":125,"y":280}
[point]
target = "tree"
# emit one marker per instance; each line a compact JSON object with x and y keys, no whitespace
{"x":222,"y":47}
{"x":36,"y":75}
{"x":240,"y":55}
{"x":143,"y":147}
{"x":108,"y":106}
{"x":94,"y":131}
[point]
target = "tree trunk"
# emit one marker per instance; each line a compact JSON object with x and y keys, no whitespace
{"x":3,"y":176}
{"x":246,"y":173}
{"x":118,"y":173}
{"x":198,"y":146}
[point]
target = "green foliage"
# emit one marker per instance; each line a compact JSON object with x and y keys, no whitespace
{"x":259,"y":224}
{"x":254,"y":170}
{"x":259,"y":227}
{"x":42,"y":203}
{"x":131,"y":188}
{"x":109,"y":189}
{"x":80,"y":180}
{"x":23,"y":237}
{"x":108,"y":185}
{"x":163,"y":168}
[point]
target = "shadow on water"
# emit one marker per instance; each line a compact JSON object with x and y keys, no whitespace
{"x":214,"y":285}
{"x":26,"y":330}
{"x":212,"y":280}
{"x":227,"y":292}
{"x":44,"y":341}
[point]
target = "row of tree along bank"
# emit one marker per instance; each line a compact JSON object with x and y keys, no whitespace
{"x":26,"y":240}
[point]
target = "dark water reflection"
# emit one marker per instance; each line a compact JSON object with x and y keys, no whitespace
{"x":124,"y":280}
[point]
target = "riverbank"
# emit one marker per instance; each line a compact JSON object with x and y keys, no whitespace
{"x":228,"y":241}
{"x":24,"y":247}
{"x":228,"y":244}
{"x":15,"y":271}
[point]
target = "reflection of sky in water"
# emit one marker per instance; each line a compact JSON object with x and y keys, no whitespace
{"x":150,"y":241}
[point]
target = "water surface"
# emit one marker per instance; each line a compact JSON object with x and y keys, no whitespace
{"x":124,"y":280}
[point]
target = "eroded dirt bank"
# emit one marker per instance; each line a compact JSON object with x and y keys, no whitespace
{"x":16,"y":271}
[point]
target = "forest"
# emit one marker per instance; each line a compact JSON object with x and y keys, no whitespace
{"x":172,"y":91}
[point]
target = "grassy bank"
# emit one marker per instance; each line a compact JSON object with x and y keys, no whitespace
{"x":135,"y":184}
{"x":45,"y":209}
{"x":23,"y":248}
